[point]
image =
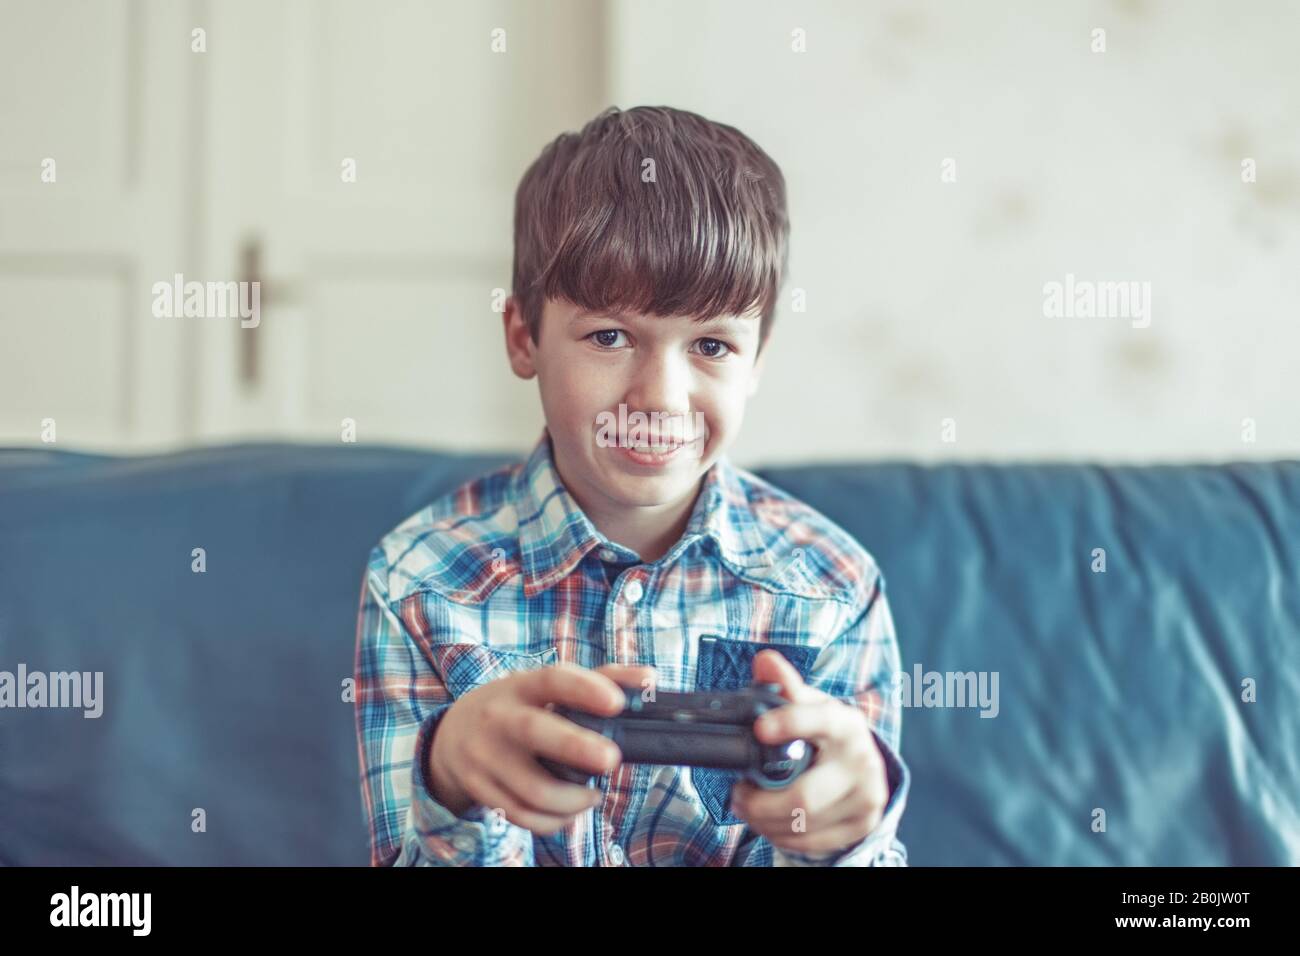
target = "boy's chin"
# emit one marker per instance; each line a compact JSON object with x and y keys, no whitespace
{"x":649,"y":493}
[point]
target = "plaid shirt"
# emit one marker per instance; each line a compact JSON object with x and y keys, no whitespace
{"x":508,"y":573}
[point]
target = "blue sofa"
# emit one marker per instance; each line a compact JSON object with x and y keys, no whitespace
{"x":1121,"y":735}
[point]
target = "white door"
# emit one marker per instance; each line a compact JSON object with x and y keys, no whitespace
{"x":357,"y":160}
{"x":97,"y":199}
{"x":363,"y":161}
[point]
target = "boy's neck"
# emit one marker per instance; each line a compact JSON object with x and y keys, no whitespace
{"x":650,"y":531}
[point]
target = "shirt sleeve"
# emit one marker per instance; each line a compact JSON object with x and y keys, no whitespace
{"x":861,"y":668}
{"x":400,"y":699}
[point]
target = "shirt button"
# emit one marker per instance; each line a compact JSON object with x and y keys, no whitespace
{"x":632,"y":592}
{"x":615,"y":854}
{"x":463,"y":843}
{"x":607,"y":555}
{"x":889,"y":857}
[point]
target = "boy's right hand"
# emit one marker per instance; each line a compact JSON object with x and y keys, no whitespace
{"x":485,"y":747}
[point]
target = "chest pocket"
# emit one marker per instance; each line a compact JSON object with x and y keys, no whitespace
{"x":725,"y":663}
{"x":466,"y":666}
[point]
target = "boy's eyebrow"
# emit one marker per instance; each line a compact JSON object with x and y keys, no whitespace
{"x":579,"y":316}
{"x":728,"y":321}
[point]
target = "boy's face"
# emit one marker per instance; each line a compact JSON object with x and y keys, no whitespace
{"x":696,"y":375}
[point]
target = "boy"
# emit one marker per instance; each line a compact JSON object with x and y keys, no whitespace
{"x":627,"y":551}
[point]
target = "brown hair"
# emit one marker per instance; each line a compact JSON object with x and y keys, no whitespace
{"x":709,"y":236}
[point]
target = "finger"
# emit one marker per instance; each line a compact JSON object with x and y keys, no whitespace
{"x":826,"y":722}
{"x":572,"y":686}
{"x":541,"y":733}
{"x":629,"y":675}
{"x":814,"y":796}
{"x":843,"y":822}
{"x":820,"y":842}
{"x":772,"y":667}
{"x":538,"y":791}
{"x":493,"y":794}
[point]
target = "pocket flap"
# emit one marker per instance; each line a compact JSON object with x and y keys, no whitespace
{"x":727,"y":663}
{"x":466,"y":666}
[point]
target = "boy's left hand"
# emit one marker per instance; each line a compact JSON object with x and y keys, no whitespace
{"x":841,"y":797}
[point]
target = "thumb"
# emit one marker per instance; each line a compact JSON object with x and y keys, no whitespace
{"x":772,"y":667}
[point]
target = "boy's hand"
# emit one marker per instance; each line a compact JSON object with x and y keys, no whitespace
{"x":485,"y":747}
{"x":841,"y":797}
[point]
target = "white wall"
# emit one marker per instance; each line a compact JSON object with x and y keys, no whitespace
{"x":924,"y":298}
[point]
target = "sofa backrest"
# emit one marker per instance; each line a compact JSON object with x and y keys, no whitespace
{"x":1118,"y":690}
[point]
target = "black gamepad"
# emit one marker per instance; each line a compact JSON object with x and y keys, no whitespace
{"x":697,"y":729}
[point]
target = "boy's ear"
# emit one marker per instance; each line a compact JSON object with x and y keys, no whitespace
{"x":519,"y":344}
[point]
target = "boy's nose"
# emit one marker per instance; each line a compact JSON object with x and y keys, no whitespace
{"x":661,"y":385}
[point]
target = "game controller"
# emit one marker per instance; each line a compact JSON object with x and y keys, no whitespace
{"x":696,"y":729}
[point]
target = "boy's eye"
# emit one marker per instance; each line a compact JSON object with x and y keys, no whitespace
{"x":712,"y":348}
{"x":709,"y":348}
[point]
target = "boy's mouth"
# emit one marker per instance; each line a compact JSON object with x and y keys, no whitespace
{"x":651,"y":455}
{"x":654,"y":450}
{"x":656,"y":444}
{"x":651,"y":441}
{"x":657,"y":448}
{"x":651,"y":438}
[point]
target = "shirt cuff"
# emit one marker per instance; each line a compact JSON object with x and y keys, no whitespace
{"x":438,"y":837}
{"x":880,"y":847}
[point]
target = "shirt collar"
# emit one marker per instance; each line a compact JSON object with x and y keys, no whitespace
{"x":555,"y":534}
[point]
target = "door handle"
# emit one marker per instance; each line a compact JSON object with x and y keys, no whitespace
{"x":276,"y":292}
{"x":250,"y":358}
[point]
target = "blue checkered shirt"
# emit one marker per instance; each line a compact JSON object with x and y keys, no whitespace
{"x":507,"y":573}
